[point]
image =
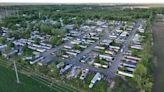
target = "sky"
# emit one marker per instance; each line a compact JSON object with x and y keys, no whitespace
{"x":82,"y":1}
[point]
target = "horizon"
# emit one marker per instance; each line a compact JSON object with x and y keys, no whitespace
{"x":83,"y":2}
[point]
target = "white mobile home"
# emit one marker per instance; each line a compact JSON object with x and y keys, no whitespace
{"x":125,"y":74}
{"x":97,"y":77}
{"x":105,"y":56}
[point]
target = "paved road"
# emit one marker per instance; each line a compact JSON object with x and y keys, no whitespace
{"x":111,"y":71}
{"x":75,"y":60}
{"x":48,"y":56}
{"x":89,"y":49}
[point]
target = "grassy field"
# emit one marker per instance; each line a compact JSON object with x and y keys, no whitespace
{"x":8,"y":83}
{"x":158,"y":37}
{"x":154,"y":5}
{"x":145,"y":5}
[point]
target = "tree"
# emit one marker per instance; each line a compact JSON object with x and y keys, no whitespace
{"x":76,"y":26}
{"x":43,"y":69}
{"x":10,"y":45}
{"x":45,"y":28}
{"x":143,"y":83}
{"x":121,"y":28}
{"x":97,"y":59}
{"x":55,"y":40}
{"x":76,"y":46}
{"x":25,"y":47}
{"x":0,"y":53}
{"x":26,"y":33}
{"x":57,"y":31}
{"x":2,"y":40}
{"x":37,"y":41}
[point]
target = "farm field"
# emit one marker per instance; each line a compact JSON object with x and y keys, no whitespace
{"x":158,"y":36}
{"x":8,"y":83}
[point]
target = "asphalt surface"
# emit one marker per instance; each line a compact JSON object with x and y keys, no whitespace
{"x":48,"y":56}
{"x":111,"y":71}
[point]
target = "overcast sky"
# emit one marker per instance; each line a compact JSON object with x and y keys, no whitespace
{"x":84,"y":1}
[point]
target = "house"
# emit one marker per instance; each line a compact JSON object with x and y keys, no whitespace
{"x":91,"y":61}
{"x":119,"y":31}
{"x":62,"y":71}
{"x":133,"y":58}
{"x":36,"y":54}
{"x":74,"y":72}
{"x":100,"y":65}
{"x":125,"y":74}
{"x":83,"y":46}
{"x":92,"y":34}
{"x":124,"y":33}
{"x":85,"y":58}
{"x":112,"y":36}
{"x":28,"y":58}
{"x":65,"y":56}
{"x":11,"y":39}
{"x":10,"y":52}
{"x":126,"y":60}
{"x":67,"y":47}
{"x":36,"y":48}
{"x":129,"y":65}
{"x":2,"y":46}
{"x":104,"y":66}
{"x":130,"y":69}
{"x":20,"y":50}
{"x":114,"y":47}
{"x":99,"y":23}
{"x":71,"y":53}
{"x":46,"y":47}
{"x":75,"y":42}
{"x":100,"y":47}
{"x":69,"y":26}
{"x":61,"y":64}
{"x":97,"y":64}
{"x":141,"y":29}
{"x":138,"y":47}
{"x":109,"y":52}
{"x":137,"y":38}
{"x":36,"y":60}
{"x":67,"y":37}
{"x":105,"y":56}
{"x":97,"y":77}
{"x":90,"y":41}
{"x":94,"y":38}
{"x":105,"y":42}
{"x":18,"y":43}
{"x":99,"y":29}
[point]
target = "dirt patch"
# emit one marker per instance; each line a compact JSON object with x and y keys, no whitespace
{"x":158,"y":39}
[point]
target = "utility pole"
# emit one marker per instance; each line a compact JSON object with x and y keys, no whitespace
{"x":6,"y":11}
{"x":61,"y":22}
{"x":16,"y":72}
{"x":17,"y":13}
{"x":39,"y":14}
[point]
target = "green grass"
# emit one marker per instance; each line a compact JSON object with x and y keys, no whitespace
{"x":154,"y":5}
{"x":8,"y":83}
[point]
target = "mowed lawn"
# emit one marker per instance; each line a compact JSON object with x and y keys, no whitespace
{"x":8,"y":83}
